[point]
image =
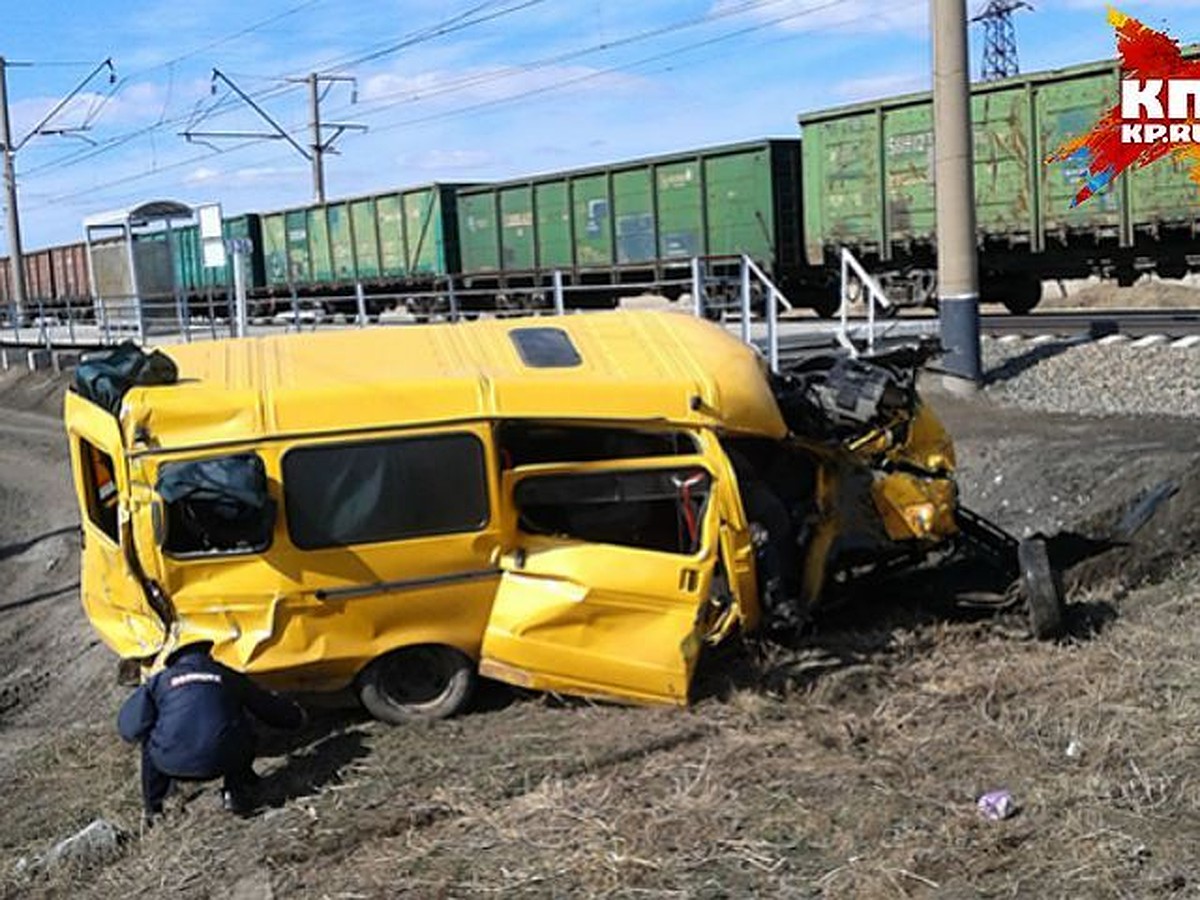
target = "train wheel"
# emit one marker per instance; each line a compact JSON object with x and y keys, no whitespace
{"x":1020,"y":294}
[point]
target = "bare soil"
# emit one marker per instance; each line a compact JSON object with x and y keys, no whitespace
{"x":845,"y":766}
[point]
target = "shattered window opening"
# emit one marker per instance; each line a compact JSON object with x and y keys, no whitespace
{"x":218,"y":505}
{"x":535,"y":443}
{"x":659,"y":510}
{"x":99,"y":477}
{"x":385,"y":490}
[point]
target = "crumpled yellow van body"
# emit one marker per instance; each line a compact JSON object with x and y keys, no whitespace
{"x":496,"y":568}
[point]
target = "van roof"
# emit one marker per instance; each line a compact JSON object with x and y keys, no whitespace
{"x":613,"y":366}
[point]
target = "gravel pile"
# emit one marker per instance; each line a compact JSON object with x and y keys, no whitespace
{"x":1090,"y":379}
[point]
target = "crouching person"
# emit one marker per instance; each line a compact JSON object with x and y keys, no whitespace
{"x":191,"y":719}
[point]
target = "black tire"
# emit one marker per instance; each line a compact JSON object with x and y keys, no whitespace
{"x":413,"y":684}
{"x":1040,"y":589}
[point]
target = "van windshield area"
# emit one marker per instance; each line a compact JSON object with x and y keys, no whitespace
{"x":659,"y":510}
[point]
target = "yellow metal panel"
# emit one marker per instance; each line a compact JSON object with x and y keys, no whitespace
{"x":602,"y":620}
{"x":311,"y":619}
{"x":555,"y":635}
{"x":112,"y":597}
{"x":635,"y":366}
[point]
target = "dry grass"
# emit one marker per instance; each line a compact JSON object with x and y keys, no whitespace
{"x":859,"y":782}
{"x":845,"y":768}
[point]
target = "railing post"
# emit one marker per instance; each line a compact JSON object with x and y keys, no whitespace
{"x":745,"y":299}
{"x":181,"y":308}
{"x":453,"y":296}
{"x":560,"y":305}
{"x":697,"y":289}
{"x":70,"y":321}
{"x":212,"y":312}
{"x":360,"y":300}
{"x":870,"y":318}
{"x":295,"y":308}
{"x":140,"y":315}
{"x":43,"y":331}
{"x":102,"y":312}
{"x":773,"y":329}
{"x":14,"y":319}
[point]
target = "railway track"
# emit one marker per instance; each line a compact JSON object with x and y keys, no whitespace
{"x":800,"y":333}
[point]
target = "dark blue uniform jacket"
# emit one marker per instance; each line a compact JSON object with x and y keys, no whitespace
{"x":193,"y":715}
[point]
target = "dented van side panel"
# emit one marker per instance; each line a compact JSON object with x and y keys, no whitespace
{"x":606,"y":619}
{"x":311,"y":618}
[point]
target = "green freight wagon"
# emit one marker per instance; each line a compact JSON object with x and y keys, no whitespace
{"x":391,"y":241}
{"x":639,"y":222}
{"x":868,"y":186}
{"x":197,"y":280}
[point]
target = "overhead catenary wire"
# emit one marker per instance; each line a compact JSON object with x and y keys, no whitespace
{"x":466,"y":110}
{"x":479,"y":79}
{"x":457,"y":22}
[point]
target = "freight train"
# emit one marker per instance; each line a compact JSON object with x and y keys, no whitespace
{"x":861,"y":178}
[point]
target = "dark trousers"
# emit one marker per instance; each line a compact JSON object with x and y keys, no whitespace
{"x":237,"y":771}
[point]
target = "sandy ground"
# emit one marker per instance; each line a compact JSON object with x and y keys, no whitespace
{"x":847,"y":766}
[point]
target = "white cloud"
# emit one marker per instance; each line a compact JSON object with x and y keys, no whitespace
{"x":439,"y":160}
{"x":871,"y":87}
{"x":246,"y":176}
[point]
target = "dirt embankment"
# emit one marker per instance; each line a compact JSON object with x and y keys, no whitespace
{"x":845,"y":767}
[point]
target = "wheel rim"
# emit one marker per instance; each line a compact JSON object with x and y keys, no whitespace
{"x":418,"y":677}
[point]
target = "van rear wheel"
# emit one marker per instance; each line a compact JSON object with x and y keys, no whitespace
{"x":417,"y":683}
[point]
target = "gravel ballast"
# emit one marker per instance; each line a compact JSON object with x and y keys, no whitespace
{"x":1093,"y":379}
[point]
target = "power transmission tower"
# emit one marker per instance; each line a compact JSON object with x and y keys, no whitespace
{"x":1000,"y":39}
{"x":10,"y":148}
{"x":320,"y":145}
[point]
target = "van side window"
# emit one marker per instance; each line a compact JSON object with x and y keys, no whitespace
{"x":101,"y":485}
{"x":653,"y":510}
{"x":216,"y":505}
{"x":532,"y":443}
{"x":368,"y":492}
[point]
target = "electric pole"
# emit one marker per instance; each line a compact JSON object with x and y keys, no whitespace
{"x":316,"y":148}
{"x":16,"y":260}
{"x":15,"y":255}
{"x":954,"y":177}
{"x":1000,"y":39}
{"x":319,"y":146}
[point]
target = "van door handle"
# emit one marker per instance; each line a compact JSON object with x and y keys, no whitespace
{"x":689,"y":580}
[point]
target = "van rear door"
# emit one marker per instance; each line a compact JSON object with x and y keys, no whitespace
{"x":605,"y":590}
{"x":113,"y":597}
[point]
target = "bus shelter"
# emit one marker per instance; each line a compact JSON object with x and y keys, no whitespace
{"x":132,"y":267}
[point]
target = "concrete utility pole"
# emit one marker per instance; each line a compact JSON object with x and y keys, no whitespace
{"x":316,"y":147}
{"x":954,"y":177}
{"x":17,"y":263}
{"x":320,"y":145}
{"x":19,"y":293}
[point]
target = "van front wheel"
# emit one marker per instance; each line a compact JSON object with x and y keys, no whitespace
{"x":417,"y":683}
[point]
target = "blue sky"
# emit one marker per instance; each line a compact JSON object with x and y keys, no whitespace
{"x":454,"y":90}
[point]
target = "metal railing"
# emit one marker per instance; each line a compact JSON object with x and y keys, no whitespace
{"x":724,"y":287}
{"x":873,"y":295}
